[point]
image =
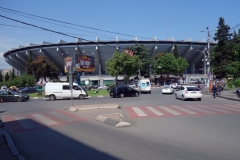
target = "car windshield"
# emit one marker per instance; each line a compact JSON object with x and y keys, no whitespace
{"x":166,"y":87}
{"x":192,"y":89}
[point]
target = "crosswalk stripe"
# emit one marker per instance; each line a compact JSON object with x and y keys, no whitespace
{"x":155,"y":111}
{"x":61,"y":116}
{"x":200,"y":109}
{"x":232,"y":106}
{"x":211,"y":108}
{"x":184,"y":110}
{"x":169,"y":110}
{"x":139,"y":112}
{"x":44,"y":119}
{"x":233,"y":109}
{"x":24,"y":122}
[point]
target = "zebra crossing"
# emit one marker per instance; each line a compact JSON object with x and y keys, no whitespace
{"x":32,"y":121}
{"x":182,"y":110}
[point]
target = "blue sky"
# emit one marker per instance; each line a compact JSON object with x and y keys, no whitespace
{"x":145,"y":19}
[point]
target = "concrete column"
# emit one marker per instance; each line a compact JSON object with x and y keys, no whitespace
{"x":192,"y":68}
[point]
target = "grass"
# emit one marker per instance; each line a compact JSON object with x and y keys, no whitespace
{"x":90,"y":93}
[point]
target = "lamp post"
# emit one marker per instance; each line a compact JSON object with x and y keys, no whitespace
{"x":208,"y":56}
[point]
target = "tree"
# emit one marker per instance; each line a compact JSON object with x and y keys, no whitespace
{"x":233,"y":69}
{"x":41,"y":68}
{"x":122,"y":65}
{"x":175,"y":51}
{"x":6,"y":77}
{"x":28,"y":69}
{"x":1,"y":76}
{"x":144,"y":56}
{"x":222,"y":54}
{"x":182,"y":64}
{"x":166,"y":64}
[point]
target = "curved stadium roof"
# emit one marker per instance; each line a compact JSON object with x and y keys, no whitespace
{"x":102,"y":51}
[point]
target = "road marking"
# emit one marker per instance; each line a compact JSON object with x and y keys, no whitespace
{"x":184,"y":110}
{"x":232,"y":106}
{"x":169,"y":110}
{"x":139,"y":111}
{"x":25,"y":123}
{"x":44,"y":119}
{"x":233,"y":109}
{"x":211,"y":108}
{"x":63,"y":117}
{"x":155,"y":111}
{"x":199,"y":109}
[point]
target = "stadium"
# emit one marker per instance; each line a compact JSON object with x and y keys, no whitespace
{"x":101,"y":51}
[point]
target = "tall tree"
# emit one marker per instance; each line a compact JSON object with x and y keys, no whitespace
{"x":28,"y":69}
{"x":222,"y":54}
{"x":175,"y":51}
{"x":166,"y":64}
{"x":182,"y":64}
{"x":41,"y":68}
{"x":6,"y":77}
{"x":1,"y":76}
{"x":144,"y":56}
{"x":122,"y":65}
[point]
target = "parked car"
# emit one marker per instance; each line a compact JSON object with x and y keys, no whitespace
{"x":4,"y":88}
{"x":28,"y":90}
{"x":188,"y":92}
{"x":123,"y":92}
{"x":103,"y":87}
{"x":8,"y":96}
{"x":167,"y":89}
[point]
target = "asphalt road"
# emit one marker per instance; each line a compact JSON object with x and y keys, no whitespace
{"x":183,"y":130}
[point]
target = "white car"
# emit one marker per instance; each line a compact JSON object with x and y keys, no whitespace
{"x":188,"y":92}
{"x":167,"y":89}
{"x":103,"y":87}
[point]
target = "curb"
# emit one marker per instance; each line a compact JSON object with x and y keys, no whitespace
{"x":10,"y":143}
{"x":112,"y":122}
{"x":230,"y":98}
{"x":96,"y":106}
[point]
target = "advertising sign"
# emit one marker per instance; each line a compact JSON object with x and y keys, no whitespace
{"x":85,"y":63}
{"x":68,"y":63}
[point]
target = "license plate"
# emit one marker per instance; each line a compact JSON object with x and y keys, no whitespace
{"x":193,"y":92}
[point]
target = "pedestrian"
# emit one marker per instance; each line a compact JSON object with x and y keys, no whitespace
{"x":214,"y":90}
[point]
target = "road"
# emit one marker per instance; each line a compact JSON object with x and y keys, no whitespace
{"x":162,"y":128}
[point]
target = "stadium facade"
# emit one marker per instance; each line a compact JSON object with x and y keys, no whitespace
{"x":101,"y":51}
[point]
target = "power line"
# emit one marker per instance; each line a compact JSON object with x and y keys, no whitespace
{"x":72,"y":23}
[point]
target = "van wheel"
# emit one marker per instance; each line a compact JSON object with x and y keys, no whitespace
{"x":52,"y":97}
{"x":121,"y":95}
{"x":81,"y":97}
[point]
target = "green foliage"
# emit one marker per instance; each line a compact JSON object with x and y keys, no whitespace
{"x":230,"y":84}
{"x":233,"y":69}
{"x":144,"y":55}
{"x":237,"y":83}
{"x":20,"y":81}
{"x":42,"y":68}
{"x":168,"y":64}
{"x":6,"y":77}
{"x":222,"y":54}
{"x":122,"y":65}
{"x":28,"y":69}
{"x":1,"y":77}
{"x":175,"y":51}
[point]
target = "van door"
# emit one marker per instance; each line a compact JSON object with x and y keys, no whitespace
{"x":76,"y":91}
{"x":66,"y":93}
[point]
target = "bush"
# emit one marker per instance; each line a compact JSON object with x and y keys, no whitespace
{"x":230,"y":84}
{"x":237,"y":83}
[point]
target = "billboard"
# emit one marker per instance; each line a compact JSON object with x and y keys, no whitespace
{"x":82,"y":63}
{"x":85,"y":63}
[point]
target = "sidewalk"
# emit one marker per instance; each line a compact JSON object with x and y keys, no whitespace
{"x":227,"y":94}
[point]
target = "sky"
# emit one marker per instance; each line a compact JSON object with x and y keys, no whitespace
{"x":108,"y":19}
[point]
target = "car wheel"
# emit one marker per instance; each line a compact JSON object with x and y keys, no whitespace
{"x":136,"y":94}
{"x":52,"y":97}
{"x":121,"y":95}
{"x":183,"y":98}
{"x":81,"y":97}
{"x":19,"y":99}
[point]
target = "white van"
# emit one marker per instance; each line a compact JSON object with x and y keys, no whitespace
{"x":144,"y":85}
{"x":62,"y":90}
